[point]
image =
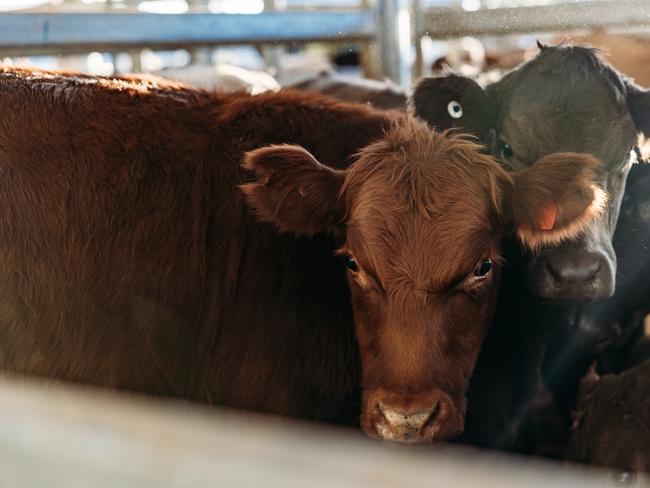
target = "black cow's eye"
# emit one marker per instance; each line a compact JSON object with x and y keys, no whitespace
{"x":506,"y":151}
{"x":351,"y":263}
{"x":484,"y":268}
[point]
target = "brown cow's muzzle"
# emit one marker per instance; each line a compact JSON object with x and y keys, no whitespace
{"x":411,"y":419}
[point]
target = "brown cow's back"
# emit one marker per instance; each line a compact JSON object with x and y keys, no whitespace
{"x":128,"y":256}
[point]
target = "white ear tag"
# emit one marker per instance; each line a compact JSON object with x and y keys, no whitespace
{"x":455,"y":109}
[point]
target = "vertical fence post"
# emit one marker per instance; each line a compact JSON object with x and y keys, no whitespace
{"x":201,"y":54}
{"x":136,"y":60}
{"x":417,"y":13}
{"x":369,"y":51}
{"x":273,"y":54}
{"x":394,"y":27}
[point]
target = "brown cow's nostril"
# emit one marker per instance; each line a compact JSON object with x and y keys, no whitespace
{"x":423,"y":418}
{"x":433,"y":416}
{"x":409,"y":426}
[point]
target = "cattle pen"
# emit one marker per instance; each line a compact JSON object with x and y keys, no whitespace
{"x":60,"y":433}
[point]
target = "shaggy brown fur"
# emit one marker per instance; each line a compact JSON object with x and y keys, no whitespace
{"x":611,"y":423}
{"x":130,"y":259}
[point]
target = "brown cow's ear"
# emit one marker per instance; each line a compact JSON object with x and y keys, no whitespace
{"x":555,"y":198}
{"x":294,"y":191}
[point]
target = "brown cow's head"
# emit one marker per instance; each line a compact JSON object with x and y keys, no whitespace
{"x":419,"y":217}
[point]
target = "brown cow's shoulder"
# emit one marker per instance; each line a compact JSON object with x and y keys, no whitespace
{"x":144,"y":241}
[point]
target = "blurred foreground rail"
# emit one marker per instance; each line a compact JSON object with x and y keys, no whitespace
{"x":56,"y":435}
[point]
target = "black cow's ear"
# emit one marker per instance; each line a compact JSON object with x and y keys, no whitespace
{"x":294,"y":191}
{"x":452,"y":101}
{"x":638,"y":100}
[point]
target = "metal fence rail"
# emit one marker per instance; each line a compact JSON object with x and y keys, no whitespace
{"x":51,"y":33}
{"x":68,"y":33}
{"x":391,"y":26}
{"x":55,"y":435}
{"x":443,"y":23}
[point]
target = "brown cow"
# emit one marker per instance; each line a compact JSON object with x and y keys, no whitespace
{"x":131,"y":259}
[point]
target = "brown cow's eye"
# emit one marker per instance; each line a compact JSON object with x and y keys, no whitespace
{"x":351,"y":263}
{"x":484,"y":268}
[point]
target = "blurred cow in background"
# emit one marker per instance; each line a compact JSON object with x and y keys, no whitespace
{"x":627,"y":53}
{"x":384,"y":95}
{"x":221,"y":76}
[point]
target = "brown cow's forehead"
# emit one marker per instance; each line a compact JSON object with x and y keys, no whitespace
{"x":422,"y":207}
{"x":406,"y":248}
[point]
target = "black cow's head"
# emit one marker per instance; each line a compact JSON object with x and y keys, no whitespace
{"x":565,"y":99}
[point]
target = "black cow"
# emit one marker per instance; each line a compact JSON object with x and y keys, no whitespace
{"x":566,"y":98}
{"x":605,"y":328}
{"x":565,"y":337}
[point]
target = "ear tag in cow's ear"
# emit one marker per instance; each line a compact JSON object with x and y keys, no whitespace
{"x":455,"y":109}
{"x":547,"y":217}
